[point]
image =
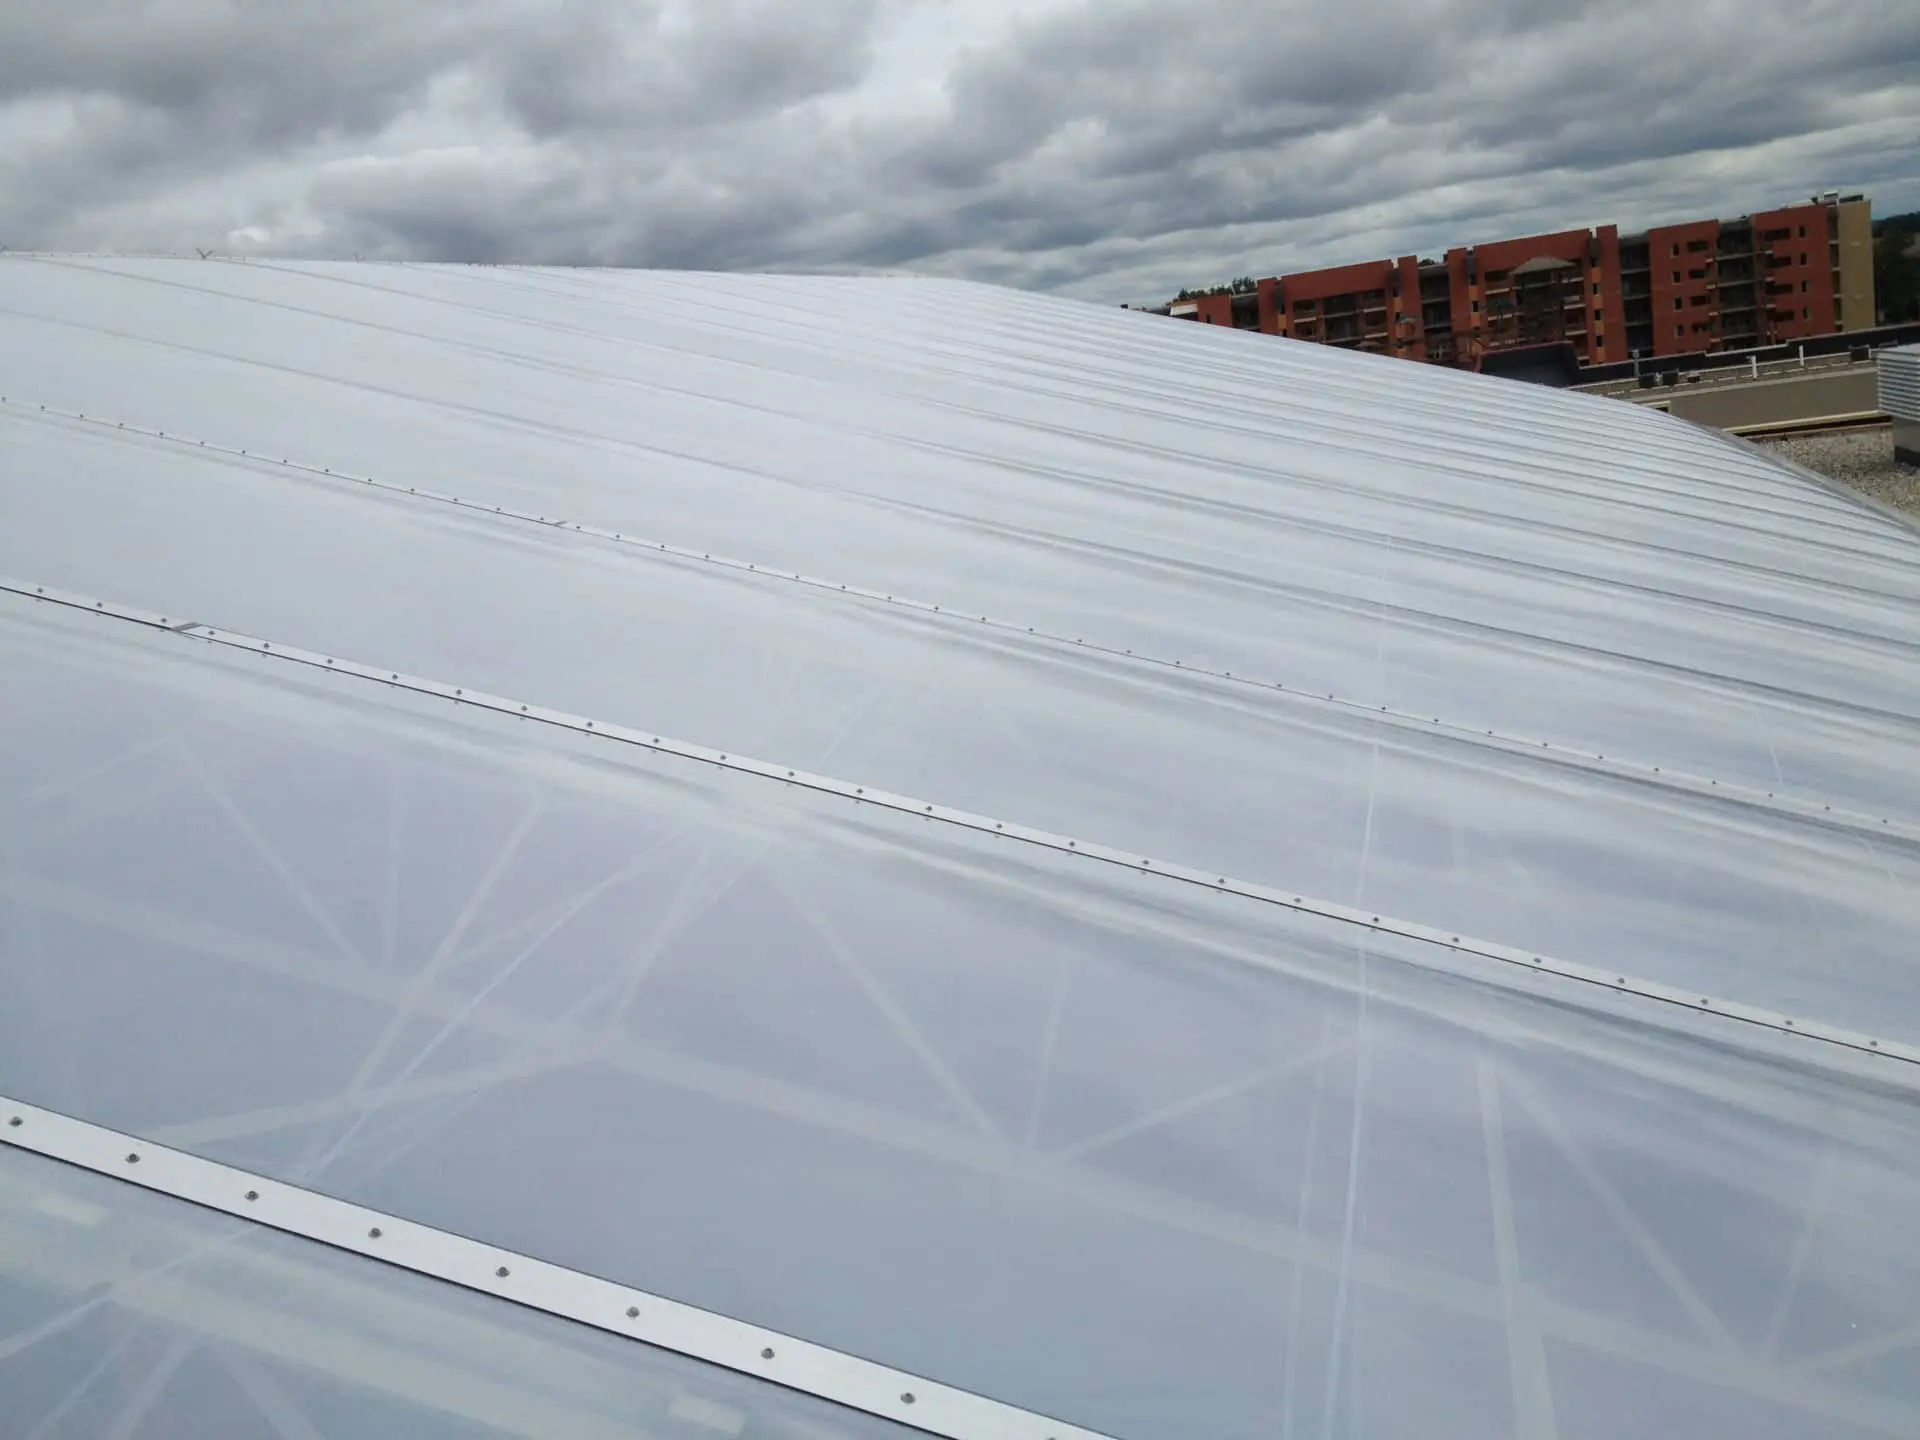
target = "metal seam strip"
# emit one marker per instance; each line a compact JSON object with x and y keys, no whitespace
{"x":895,"y":1395}
{"x":1463,"y":945}
{"x":1664,"y":776}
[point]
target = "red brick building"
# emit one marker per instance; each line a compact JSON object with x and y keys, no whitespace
{"x":1701,"y":285}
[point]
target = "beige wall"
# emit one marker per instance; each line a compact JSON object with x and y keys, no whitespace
{"x":1850,"y":391}
{"x":1853,"y":284}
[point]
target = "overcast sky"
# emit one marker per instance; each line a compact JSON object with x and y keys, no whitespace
{"x":1113,"y":149}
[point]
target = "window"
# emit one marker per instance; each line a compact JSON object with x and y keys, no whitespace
{"x":1806,"y":314}
{"x":1678,"y":303}
{"x":1679,"y":329}
{"x":1694,"y":247}
{"x":1803,"y":232}
{"x":1699,"y":274}
{"x":1676,"y":277}
{"x":1803,"y":286}
{"x":1676,"y":248}
{"x":1596,"y":287}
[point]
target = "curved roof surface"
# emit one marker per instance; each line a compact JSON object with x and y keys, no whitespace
{"x":1184,"y":883}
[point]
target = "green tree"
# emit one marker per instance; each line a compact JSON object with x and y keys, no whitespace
{"x":1896,"y":274}
{"x":1245,"y":285}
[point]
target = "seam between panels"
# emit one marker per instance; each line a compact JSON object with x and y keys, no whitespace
{"x":1664,"y":776}
{"x":1501,"y":958}
{"x":905,"y":1399}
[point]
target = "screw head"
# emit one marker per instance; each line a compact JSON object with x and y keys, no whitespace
{"x":502,"y":1272}
{"x":906,"y":1397}
{"x":374,"y":1233}
{"x":253,"y":1194}
{"x":633,"y":1312}
{"x":16,"y":1122}
{"x":133,"y":1157}
{"x":767,"y":1354}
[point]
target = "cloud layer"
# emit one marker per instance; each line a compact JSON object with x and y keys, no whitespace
{"x":1111,"y":148}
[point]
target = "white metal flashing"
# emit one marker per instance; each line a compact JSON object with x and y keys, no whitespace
{"x":847,"y":1380}
{"x":1635,"y":769}
{"x":1470,"y":947}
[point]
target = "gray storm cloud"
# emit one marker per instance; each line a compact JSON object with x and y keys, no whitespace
{"x":1110,"y":149}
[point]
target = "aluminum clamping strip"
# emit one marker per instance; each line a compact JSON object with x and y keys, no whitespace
{"x":1907,"y":1071}
{"x":844,"y":1379}
{"x":1666,"y":776}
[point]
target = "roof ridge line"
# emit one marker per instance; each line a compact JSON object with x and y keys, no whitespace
{"x":1467,"y":945}
{"x":1641,"y":771}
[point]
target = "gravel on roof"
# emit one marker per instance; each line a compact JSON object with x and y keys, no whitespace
{"x":1860,"y":459}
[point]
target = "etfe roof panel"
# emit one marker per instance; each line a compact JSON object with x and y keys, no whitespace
{"x":1122,"y":1008}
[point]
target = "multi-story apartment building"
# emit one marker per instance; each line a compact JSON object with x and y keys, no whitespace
{"x":1762,"y":279}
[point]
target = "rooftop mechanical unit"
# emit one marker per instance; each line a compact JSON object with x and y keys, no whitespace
{"x":1900,"y":398}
